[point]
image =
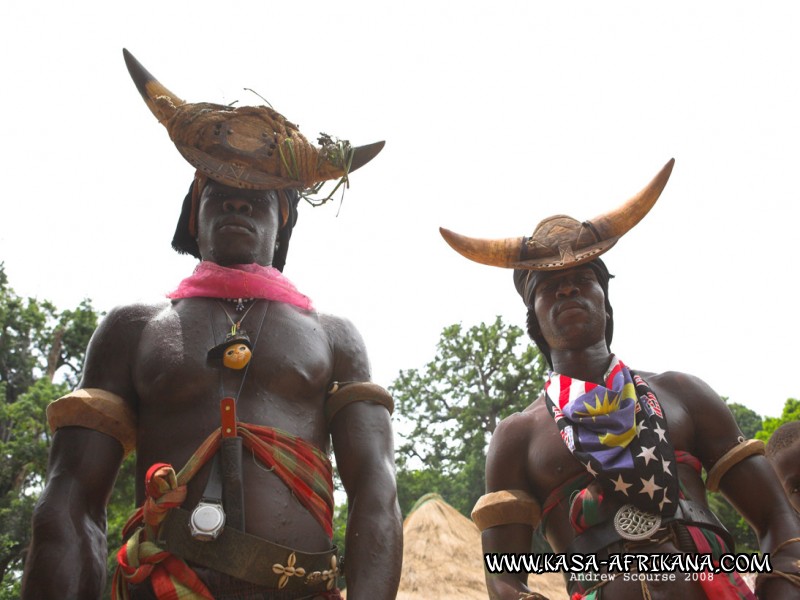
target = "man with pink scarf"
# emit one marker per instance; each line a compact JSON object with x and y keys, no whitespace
{"x":232,"y":391}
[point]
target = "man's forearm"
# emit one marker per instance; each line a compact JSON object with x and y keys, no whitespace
{"x":68,"y":551}
{"x":66,"y":559}
{"x":374,"y":546}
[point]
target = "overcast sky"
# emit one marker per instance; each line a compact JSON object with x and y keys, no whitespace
{"x":495,"y":115}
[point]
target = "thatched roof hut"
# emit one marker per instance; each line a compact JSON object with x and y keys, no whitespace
{"x":442,"y":556}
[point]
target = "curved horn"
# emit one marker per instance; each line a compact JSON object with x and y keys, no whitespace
{"x":619,"y":221}
{"x":363,"y":154}
{"x":159,"y":99}
{"x":495,"y":253}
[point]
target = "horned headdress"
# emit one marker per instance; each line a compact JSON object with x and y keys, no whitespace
{"x":561,"y":242}
{"x":249,"y":147}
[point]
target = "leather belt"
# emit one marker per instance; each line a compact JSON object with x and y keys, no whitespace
{"x":689,"y":512}
{"x":250,"y":558}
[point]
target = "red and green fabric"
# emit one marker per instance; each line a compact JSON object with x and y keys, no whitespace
{"x":585,"y":508}
{"x":302,"y":467}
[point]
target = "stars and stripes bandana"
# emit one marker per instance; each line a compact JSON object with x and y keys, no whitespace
{"x":619,"y":433}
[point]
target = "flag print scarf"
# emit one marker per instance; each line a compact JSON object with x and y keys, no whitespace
{"x":619,"y":433}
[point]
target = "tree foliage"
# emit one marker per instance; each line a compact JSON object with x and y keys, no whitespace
{"x":748,"y":420}
{"x":41,"y":357}
{"x":752,"y":426}
{"x":453,"y":404}
{"x":791,"y":412}
{"x":478,"y":376}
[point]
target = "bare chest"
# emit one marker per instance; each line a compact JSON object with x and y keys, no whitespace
{"x":179,"y":386}
{"x":551,"y":466}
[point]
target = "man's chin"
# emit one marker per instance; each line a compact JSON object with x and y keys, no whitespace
{"x":238,"y":259}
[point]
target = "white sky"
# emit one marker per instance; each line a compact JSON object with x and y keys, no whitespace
{"x":496,"y":115}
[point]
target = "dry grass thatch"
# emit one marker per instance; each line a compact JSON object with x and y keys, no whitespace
{"x":442,"y":556}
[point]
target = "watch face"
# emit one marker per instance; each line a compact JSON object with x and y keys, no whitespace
{"x":207,"y":521}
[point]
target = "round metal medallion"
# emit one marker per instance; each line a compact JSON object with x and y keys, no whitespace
{"x":207,"y":521}
{"x":633,"y":523}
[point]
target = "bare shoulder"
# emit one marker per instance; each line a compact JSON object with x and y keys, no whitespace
{"x":351,"y":362}
{"x":695,"y":407}
{"x":689,"y":389}
{"x":123,"y":324}
{"x":126,"y":315}
{"x":339,"y":329}
{"x":506,"y":460}
{"x":111,"y":350}
{"x":517,"y":428}
{"x":520,"y":427}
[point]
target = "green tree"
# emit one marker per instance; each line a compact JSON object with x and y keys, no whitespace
{"x":791,"y":412}
{"x":451,"y":406}
{"x":744,"y":536}
{"x":41,"y":357}
{"x":748,"y":420}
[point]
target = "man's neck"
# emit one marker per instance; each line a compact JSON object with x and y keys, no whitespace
{"x":586,"y":364}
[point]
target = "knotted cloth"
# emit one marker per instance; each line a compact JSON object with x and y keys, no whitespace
{"x":302,"y":467}
{"x":716,"y":586}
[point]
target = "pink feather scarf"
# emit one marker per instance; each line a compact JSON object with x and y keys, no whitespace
{"x":211,"y":280}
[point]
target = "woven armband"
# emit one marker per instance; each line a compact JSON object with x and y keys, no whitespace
{"x":731,"y":458}
{"x":96,"y":409}
{"x":342,"y":394}
{"x":505,"y":507}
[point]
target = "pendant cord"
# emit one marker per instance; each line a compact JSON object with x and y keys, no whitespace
{"x":235,"y":325}
{"x":214,"y":336}
{"x":238,"y":323}
{"x":255,"y":343}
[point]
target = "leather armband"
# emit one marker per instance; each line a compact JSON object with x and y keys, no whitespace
{"x":731,"y":458}
{"x":96,"y":409}
{"x":342,"y":394}
{"x":505,"y":507}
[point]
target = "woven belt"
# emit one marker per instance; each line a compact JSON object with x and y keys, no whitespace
{"x":689,"y":512}
{"x":250,"y":558}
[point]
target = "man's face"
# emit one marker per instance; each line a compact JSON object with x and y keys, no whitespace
{"x":787,"y":465}
{"x":237,"y":226}
{"x":570,"y":308}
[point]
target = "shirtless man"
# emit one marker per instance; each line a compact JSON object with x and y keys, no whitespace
{"x":596,"y":464}
{"x":155,"y":378}
{"x":783,"y":451}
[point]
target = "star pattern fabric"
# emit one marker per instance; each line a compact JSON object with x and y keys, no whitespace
{"x":619,"y":433}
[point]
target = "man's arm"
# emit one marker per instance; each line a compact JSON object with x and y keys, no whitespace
{"x":506,"y":470}
{"x":364,"y":448}
{"x":68,"y":553}
{"x":750,"y":486}
{"x":67,"y":558}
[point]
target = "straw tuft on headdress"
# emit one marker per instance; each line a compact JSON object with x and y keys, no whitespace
{"x":247,"y":147}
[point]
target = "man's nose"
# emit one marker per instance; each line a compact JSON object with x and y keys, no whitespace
{"x":566,"y":289}
{"x":237,"y":205}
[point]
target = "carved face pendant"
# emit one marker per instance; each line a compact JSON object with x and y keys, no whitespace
{"x":236,"y":356}
{"x":235,"y":351}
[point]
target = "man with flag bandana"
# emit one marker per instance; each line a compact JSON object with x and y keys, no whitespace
{"x":232,"y":392}
{"x":608,"y":460}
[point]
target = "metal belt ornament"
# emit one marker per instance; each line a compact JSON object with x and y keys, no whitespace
{"x":633,"y":523}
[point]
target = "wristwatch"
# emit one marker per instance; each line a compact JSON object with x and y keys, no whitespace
{"x":208,"y":517}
